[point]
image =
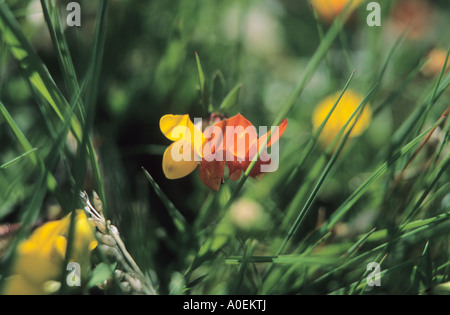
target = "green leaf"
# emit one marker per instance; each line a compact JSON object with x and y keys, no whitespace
{"x":101,"y":273}
{"x":230,"y":101}
{"x":218,"y":89}
{"x":204,"y":94}
{"x":178,"y":219}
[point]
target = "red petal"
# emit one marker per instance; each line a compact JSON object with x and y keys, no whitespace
{"x":235,"y":121}
{"x":235,"y":169}
{"x":211,"y":173}
{"x":235,"y":175}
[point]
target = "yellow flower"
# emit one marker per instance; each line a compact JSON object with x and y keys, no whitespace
{"x":328,"y":10}
{"x":341,"y":114}
{"x":39,"y":259}
{"x":188,"y":141}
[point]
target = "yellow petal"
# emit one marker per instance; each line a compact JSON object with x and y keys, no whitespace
{"x":60,"y":246}
{"x":168,"y":123}
{"x":37,"y":265}
{"x":342,"y":113}
{"x":19,"y":285}
{"x":84,"y":232}
{"x":173,"y":165}
{"x":40,"y":257}
{"x":45,"y":235}
{"x":177,"y":127}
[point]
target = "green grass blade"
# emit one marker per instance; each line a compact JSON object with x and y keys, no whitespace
{"x":178,"y":219}
{"x":62,"y":49}
{"x":204,"y":93}
{"x":307,"y":260}
{"x":326,"y":171}
{"x":411,"y":211}
{"x":360,"y":242}
{"x":95,"y":67}
{"x":35,"y":70}
{"x":230,"y":101}
{"x":435,"y":228}
{"x":313,"y":63}
{"x":18,"y":133}
{"x":91,"y":83}
{"x":17,"y":159}
{"x":356,"y":195}
{"x":434,"y":93}
{"x":311,"y":67}
{"x":401,"y":134}
{"x":312,"y":141}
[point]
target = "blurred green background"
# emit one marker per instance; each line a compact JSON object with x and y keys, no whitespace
{"x":149,"y":70}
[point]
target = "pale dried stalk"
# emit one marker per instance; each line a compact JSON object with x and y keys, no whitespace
{"x":113,"y":245}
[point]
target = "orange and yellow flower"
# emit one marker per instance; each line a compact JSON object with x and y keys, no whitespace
{"x":341,"y":114}
{"x":218,"y":145}
{"x":242,"y":156}
{"x":39,"y":259}
{"x":328,"y":10}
